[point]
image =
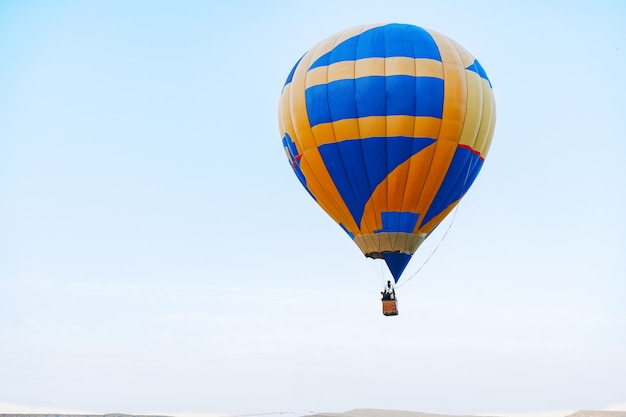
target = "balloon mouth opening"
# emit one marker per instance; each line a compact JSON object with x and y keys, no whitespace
{"x":382,"y":254}
{"x":396,"y":261}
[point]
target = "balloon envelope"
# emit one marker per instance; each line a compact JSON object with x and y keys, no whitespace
{"x":387,"y":126}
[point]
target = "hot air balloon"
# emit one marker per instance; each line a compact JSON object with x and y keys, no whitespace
{"x":387,"y":126}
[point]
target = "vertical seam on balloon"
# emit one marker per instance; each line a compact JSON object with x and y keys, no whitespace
{"x":408,"y":168}
{"x":332,"y":126}
{"x":419,"y":223}
{"x":386,"y":180}
{"x":469,"y":165}
{"x":363,"y":220}
{"x":323,"y":188}
{"x":482,"y":114}
{"x":341,"y":159}
{"x":461,"y":173}
{"x":335,"y":143}
{"x":458,"y":62}
{"x":492,"y":123}
{"x":492,"y":118}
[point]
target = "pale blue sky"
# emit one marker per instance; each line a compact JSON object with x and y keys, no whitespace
{"x":158,"y":255}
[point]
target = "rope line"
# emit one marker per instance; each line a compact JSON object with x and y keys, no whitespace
{"x":378,"y":269}
{"x":433,"y":252}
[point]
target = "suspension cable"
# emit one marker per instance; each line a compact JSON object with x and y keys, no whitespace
{"x":378,"y":270}
{"x":433,"y":252}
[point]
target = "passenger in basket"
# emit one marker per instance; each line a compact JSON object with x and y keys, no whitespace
{"x":388,"y":293}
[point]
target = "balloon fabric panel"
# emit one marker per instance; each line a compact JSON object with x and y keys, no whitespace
{"x":387,"y":127}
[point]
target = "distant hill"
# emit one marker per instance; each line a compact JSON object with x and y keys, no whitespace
{"x":368,"y":412}
{"x":592,"y":413}
{"x":365,"y":412}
